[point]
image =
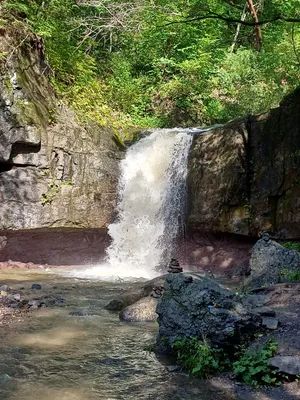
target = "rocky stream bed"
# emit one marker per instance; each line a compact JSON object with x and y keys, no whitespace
{"x":63,"y":339}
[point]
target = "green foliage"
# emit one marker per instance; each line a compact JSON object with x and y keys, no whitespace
{"x":67,"y":183}
{"x":292,"y":246}
{"x":27,"y":114}
{"x":53,"y":190}
{"x":3,"y":55}
{"x":294,"y":276}
{"x":197,"y":357}
{"x":287,"y":276}
{"x":150,"y":70}
{"x":253,"y":366}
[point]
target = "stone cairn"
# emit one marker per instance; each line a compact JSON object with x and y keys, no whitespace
{"x":174,"y":266}
{"x":157,"y":292}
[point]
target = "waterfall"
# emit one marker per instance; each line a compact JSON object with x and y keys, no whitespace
{"x":152,"y":201}
{"x":151,"y":207}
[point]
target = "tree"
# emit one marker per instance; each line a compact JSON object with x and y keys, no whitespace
{"x":161,"y":63}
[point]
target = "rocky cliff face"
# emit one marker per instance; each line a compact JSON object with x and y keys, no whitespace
{"x":244,"y":177}
{"x":53,"y":171}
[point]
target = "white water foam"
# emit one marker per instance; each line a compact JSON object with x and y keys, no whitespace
{"x":151,"y":207}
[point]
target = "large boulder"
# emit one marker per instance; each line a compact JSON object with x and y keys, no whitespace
{"x":54,"y":172}
{"x":143,"y":310}
{"x":243,"y":177}
{"x":134,"y":294}
{"x":271,"y":263}
{"x":195,"y":306}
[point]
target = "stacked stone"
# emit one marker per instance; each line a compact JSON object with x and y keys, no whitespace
{"x":174,"y":266}
{"x":157,"y":292}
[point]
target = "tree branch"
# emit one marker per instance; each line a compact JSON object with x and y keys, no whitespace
{"x":232,"y":20}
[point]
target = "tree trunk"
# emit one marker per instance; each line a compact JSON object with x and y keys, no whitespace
{"x":238,"y":28}
{"x":257,"y":27}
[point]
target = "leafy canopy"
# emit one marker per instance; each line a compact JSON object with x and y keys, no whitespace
{"x":161,"y":63}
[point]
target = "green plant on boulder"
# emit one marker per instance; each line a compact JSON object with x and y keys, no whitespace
{"x":292,"y":246}
{"x":67,"y":182}
{"x":294,"y":276}
{"x":288,"y":276}
{"x":53,"y":189}
{"x":197,"y":357}
{"x":253,"y":366}
{"x":283,"y":274}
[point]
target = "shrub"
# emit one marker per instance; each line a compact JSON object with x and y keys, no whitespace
{"x":253,"y":366}
{"x":197,"y":357}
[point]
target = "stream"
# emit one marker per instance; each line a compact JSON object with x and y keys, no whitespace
{"x":77,"y":350}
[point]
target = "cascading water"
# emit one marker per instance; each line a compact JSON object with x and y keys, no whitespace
{"x":151,"y":207}
{"x":152,"y":201}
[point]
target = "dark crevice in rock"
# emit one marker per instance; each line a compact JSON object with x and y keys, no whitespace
{"x":19,"y":165}
{"x":24,"y":148}
{"x":249,"y":164}
{"x":4,"y":167}
{"x":19,"y":148}
{"x":273,"y":210}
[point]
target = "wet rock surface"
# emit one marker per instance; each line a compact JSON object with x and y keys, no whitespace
{"x":55,"y":247}
{"x":244,"y":176}
{"x":143,"y":310}
{"x":221,"y":255}
{"x":270,"y":323}
{"x":137,"y":292}
{"x":202,"y":308}
{"x":17,"y":302}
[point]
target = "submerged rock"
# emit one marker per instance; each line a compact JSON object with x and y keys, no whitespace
{"x":34,"y":304}
{"x":136,"y":293}
{"x":36,"y":286}
{"x":271,"y":263}
{"x":143,"y":310}
{"x":202,"y":309}
{"x":5,"y":288}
